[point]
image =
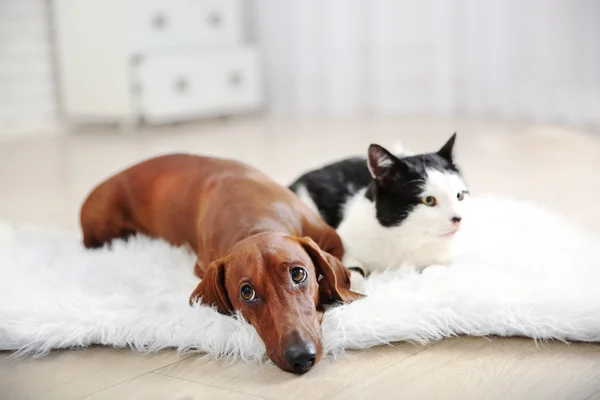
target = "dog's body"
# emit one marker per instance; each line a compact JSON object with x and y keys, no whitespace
{"x":254,"y":239}
{"x":209,"y":204}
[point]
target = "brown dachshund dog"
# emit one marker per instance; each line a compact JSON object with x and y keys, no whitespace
{"x":260,"y":249}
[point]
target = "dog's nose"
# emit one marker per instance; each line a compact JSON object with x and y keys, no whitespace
{"x":301,"y":356}
{"x":456,"y":219}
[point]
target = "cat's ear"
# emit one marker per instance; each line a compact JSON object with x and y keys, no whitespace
{"x":447,"y":150}
{"x":381,"y":164}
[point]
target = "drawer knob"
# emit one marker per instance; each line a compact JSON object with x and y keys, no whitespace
{"x":235,"y":79}
{"x":159,"y":21}
{"x":182,"y":85}
{"x":214,"y":19}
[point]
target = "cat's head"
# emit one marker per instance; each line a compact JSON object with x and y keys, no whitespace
{"x":423,"y":192}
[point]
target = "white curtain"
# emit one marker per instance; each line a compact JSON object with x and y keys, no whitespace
{"x":525,"y":59}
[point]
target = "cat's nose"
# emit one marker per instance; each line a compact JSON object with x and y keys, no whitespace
{"x":456,"y":220}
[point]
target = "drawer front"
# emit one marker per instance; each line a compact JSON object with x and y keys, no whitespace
{"x":179,"y":85}
{"x":164,"y":24}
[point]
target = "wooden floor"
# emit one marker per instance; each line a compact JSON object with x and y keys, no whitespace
{"x":45,"y":179}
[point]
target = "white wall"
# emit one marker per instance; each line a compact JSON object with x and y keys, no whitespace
{"x":27,"y":92}
{"x":534,"y":59}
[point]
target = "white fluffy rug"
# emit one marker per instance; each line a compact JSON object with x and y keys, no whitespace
{"x":520,"y":271}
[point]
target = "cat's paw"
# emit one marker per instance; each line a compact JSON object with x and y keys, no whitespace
{"x":358,"y":282}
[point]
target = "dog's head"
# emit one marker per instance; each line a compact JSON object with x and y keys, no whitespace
{"x":280,"y":284}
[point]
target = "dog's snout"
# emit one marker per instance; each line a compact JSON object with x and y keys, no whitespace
{"x":301,"y":356}
{"x":456,"y":219}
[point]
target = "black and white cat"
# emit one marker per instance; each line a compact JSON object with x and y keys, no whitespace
{"x":390,"y":210}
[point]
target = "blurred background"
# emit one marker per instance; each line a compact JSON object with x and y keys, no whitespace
{"x":536,"y":60}
{"x":87,"y":87}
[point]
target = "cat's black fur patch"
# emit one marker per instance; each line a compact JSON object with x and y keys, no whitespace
{"x":332,"y":185}
{"x":395,"y":189}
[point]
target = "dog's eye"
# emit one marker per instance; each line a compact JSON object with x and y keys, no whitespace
{"x":299,"y":274}
{"x":247,"y":293}
{"x":461,"y":195}
{"x":429,"y":201}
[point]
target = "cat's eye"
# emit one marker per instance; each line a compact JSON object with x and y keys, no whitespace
{"x":298,"y":274}
{"x":429,"y":201}
{"x":461,"y":195}
{"x":248,"y":293}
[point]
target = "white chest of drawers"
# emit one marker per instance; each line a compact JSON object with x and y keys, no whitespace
{"x":153,"y":60}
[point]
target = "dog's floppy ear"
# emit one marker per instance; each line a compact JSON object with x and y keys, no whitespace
{"x":212,"y":288}
{"x":335,"y":283}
